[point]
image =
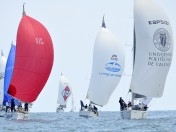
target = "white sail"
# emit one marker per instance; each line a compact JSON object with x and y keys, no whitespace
{"x":73,"y":107}
{"x":107,"y":67}
{"x":2,"y":71}
{"x":153,"y":49}
{"x":64,"y":91}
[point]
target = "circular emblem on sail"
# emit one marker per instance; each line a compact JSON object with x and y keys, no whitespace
{"x":161,"y":39}
{"x":66,"y":93}
{"x":113,"y":67}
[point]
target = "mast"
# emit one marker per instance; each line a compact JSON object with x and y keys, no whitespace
{"x":134,"y":48}
{"x":24,"y":13}
{"x":103,"y":23}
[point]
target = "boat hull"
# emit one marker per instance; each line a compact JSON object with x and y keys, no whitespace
{"x":17,"y":116}
{"x":87,"y":113}
{"x":59,"y":110}
{"x":133,"y":114}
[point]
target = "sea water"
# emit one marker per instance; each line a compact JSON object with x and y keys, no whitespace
{"x":157,"y":121}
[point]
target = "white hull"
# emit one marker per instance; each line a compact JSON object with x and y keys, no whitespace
{"x":87,"y":114}
{"x":133,"y":114}
{"x":17,"y":116}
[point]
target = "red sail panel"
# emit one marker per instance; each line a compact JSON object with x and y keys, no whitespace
{"x":33,"y":60}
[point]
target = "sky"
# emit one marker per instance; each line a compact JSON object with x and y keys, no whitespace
{"x":73,"y":26}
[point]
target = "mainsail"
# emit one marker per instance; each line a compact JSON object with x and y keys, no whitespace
{"x":64,"y":91}
{"x":107,"y":67}
{"x":153,"y":49}
{"x":2,"y":71}
{"x":33,"y":60}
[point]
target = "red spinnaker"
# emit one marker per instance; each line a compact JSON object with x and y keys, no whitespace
{"x":33,"y":60}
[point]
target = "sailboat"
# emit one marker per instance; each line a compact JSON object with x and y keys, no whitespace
{"x":33,"y":62}
{"x":153,"y":50}
{"x":64,"y":93}
{"x":107,"y":69}
{"x":2,"y":71}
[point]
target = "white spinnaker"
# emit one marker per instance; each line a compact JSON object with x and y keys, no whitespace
{"x":64,"y":91}
{"x":3,"y":61}
{"x":107,"y":67}
{"x":153,"y":50}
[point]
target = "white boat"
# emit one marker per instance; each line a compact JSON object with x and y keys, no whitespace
{"x":88,"y":113}
{"x":2,"y":72}
{"x":153,"y":50}
{"x":16,"y":115}
{"x":107,"y":69}
{"x":64,"y":93}
{"x":32,"y":65}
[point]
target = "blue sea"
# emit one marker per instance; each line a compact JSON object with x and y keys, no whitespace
{"x":157,"y":121}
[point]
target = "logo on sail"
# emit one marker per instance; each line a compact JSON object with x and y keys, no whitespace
{"x":66,"y":93}
{"x":114,"y":57}
{"x":161,"y":39}
{"x":112,"y":66}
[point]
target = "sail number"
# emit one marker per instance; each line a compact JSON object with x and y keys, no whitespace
{"x":39,"y":41}
{"x":158,"y":22}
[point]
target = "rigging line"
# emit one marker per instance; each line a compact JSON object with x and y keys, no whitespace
{"x":126,"y":98}
{"x":151,"y":103}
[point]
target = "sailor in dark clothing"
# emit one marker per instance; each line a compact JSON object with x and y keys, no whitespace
{"x":145,"y":107}
{"x":129,"y":104}
{"x":122,"y":104}
{"x":7,"y":106}
{"x":86,"y":106}
{"x":95,"y":108}
{"x":26,"y":107}
{"x":12,"y":106}
{"x":82,"y":105}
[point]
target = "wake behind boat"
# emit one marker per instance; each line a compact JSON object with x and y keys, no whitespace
{"x":153,"y":50}
{"x":107,"y":69}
